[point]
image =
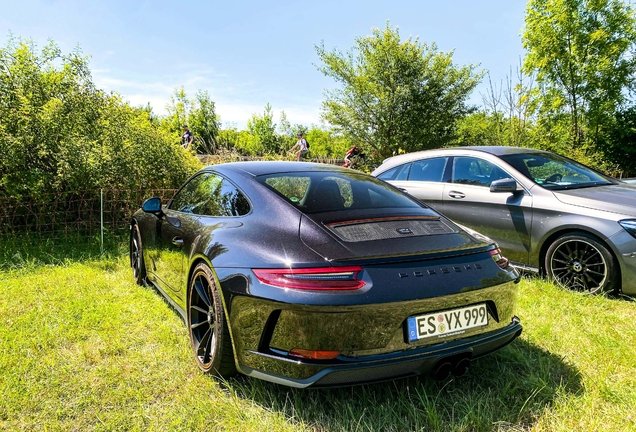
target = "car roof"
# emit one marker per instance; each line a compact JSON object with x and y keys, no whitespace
{"x":493,"y":150}
{"x":257,"y":168}
{"x":502,"y":150}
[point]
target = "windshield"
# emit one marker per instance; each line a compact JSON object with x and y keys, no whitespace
{"x":555,"y":172}
{"x":325,"y":191}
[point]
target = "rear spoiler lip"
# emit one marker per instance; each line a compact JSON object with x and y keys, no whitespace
{"x":418,"y":257}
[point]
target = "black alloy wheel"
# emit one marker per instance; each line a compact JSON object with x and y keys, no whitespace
{"x":580,"y":262}
{"x":209,"y":332}
{"x":137,"y":257}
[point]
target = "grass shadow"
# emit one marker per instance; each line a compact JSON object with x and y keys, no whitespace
{"x":19,"y":252}
{"x":509,"y":389}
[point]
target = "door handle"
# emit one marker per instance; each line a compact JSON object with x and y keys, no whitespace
{"x":456,"y":194}
{"x":177,"y":241}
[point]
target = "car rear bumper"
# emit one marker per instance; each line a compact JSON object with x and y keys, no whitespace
{"x":277,"y":333}
{"x":375,"y":368}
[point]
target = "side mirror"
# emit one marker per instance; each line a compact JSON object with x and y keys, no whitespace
{"x":506,"y":185}
{"x":152,"y":205}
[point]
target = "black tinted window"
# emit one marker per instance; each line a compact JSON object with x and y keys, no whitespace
{"x":428,"y":169}
{"x":475,"y":171}
{"x":403,"y":174}
{"x":210,"y":195}
{"x":323,"y":191}
{"x":399,"y":172}
{"x":388,"y":175}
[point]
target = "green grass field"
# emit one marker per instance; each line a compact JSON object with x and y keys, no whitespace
{"x":83,"y":348}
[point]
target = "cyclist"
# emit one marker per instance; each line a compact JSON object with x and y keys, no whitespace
{"x":302,"y":146}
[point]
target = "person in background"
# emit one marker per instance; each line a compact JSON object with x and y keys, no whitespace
{"x":353,"y":151}
{"x":302,"y":146}
{"x":187,"y":138}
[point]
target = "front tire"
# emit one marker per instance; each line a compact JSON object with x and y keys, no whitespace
{"x":580,"y":262}
{"x":209,"y":332}
{"x":137,"y":257}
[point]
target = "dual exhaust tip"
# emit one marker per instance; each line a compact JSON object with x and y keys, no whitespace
{"x":447,"y":366}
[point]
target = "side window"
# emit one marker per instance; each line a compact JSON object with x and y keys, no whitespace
{"x":226,"y":200}
{"x":428,"y":169}
{"x":399,"y":172}
{"x":388,"y":175}
{"x":403,"y":174}
{"x":191,"y":196}
{"x":210,"y":195}
{"x":475,"y":171}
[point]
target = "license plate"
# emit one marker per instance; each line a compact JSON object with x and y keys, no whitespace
{"x":447,"y":323}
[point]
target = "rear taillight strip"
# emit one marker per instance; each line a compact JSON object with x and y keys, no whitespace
{"x":320,"y":279}
{"x":501,"y":260}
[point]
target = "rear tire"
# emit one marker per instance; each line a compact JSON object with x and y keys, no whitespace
{"x":580,"y":262}
{"x":137,"y":257}
{"x":209,"y":331}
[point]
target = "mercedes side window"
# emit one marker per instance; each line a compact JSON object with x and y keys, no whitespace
{"x":428,"y":169}
{"x":475,"y":171}
{"x":403,"y":174}
{"x":399,"y":172}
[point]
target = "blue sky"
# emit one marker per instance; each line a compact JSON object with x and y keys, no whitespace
{"x":248,"y":53}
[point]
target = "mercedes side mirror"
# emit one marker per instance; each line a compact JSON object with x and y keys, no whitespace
{"x":506,"y":185}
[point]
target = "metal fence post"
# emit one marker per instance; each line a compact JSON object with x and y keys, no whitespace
{"x":101,"y":218}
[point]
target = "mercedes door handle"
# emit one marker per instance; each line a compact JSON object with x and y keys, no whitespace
{"x":456,"y":195}
{"x":177,"y":241}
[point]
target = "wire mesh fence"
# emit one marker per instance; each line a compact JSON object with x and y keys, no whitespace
{"x":84,"y":220}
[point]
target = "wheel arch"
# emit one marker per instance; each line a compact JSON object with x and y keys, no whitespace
{"x":194,"y":262}
{"x":202,"y":259}
{"x":551,"y":237}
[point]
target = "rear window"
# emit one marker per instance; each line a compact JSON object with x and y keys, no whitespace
{"x":324,"y":191}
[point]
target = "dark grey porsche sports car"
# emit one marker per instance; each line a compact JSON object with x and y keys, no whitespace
{"x":313,"y":275}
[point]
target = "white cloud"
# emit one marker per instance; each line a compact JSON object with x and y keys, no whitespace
{"x":238,"y":113}
{"x":232,"y":99}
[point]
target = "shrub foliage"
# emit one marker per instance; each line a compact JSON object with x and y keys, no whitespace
{"x":58,"y":132}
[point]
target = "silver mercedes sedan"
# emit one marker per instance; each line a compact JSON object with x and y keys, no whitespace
{"x":549,"y":214}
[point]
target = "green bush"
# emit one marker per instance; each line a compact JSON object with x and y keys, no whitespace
{"x":58,"y":132}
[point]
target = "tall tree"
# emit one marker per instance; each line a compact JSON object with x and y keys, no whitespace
{"x":199,"y":114}
{"x":263,"y":130}
{"x":204,"y":123}
{"x":581,"y":53}
{"x":395,"y":96}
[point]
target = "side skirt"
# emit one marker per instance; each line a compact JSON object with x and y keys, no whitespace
{"x":168,"y":299}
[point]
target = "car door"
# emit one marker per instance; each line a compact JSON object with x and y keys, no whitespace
{"x":423,"y":180}
{"x":207,"y":202}
{"x":176,"y":232}
{"x":504,"y":217}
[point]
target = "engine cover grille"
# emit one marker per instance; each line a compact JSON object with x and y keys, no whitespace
{"x":380,"y":229}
